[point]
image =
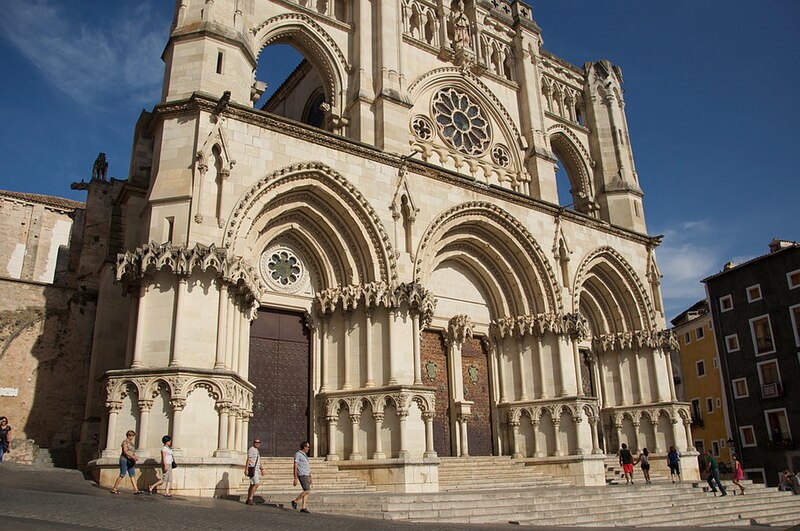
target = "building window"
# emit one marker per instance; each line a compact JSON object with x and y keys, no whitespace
{"x":687,"y":338}
{"x":700,"y":446}
{"x":699,"y":333}
{"x":715,"y":362}
{"x":715,"y":448}
{"x":770,"y":378}
{"x":710,"y":405}
{"x":721,"y":441}
{"x":732,"y":343}
{"x":761,"y":331}
{"x":794,"y":312}
{"x":701,"y":368}
{"x":748,"y":436}
{"x":794,"y":279}
{"x":754,"y":293}
{"x":780,"y":436}
{"x":697,"y":417}
{"x":725,"y":303}
{"x":740,"y":388}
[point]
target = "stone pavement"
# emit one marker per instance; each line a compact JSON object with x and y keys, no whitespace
{"x":58,"y":499}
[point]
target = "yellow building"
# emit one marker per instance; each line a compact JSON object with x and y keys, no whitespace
{"x":702,"y":380}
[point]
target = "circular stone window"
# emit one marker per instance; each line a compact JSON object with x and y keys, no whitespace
{"x":283,"y":269}
{"x":461,"y":122}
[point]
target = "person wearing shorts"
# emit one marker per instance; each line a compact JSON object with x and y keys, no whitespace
{"x":626,"y":462}
{"x":166,"y":467}
{"x":127,"y":463}
{"x":253,"y":470}
{"x":302,"y":475}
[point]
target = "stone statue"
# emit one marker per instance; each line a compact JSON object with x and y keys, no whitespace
{"x":100,"y":168}
{"x":461,"y":38}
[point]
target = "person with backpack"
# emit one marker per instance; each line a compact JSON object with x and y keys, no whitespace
{"x":674,"y":463}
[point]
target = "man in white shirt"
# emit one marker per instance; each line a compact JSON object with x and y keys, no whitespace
{"x":302,"y":474}
{"x":253,"y":470}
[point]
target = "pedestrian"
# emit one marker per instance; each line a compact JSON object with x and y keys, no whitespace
{"x":626,"y":462}
{"x":738,"y":474}
{"x":712,"y":469}
{"x":253,"y":470}
{"x":644,"y":459}
{"x":674,"y":463}
{"x":302,"y":473}
{"x":167,"y":464}
{"x":796,"y":483}
{"x":127,"y":463}
{"x":5,"y":438}
{"x":786,"y":481}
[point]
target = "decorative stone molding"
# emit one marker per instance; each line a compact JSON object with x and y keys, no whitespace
{"x":355,"y":401}
{"x":241,"y":278}
{"x":375,"y":294}
{"x":674,"y":411}
{"x":459,"y":329}
{"x":636,"y":339}
{"x":572,"y":324}
{"x":577,"y":408}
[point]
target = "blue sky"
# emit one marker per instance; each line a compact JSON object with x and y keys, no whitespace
{"x":711,"y":97}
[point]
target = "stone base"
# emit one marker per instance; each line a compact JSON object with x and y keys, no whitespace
{"x":198,"y":476}
{"x":690,"y":467}
{"x":397,"y":475}
{"x":581,"y":470}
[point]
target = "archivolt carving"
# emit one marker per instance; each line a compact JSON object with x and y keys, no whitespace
{"x":632,"y":282}
{"x":572,"y":324}
{"x":402,"y":400}
{"x":459,"y":329}
{"x":375,"y":294}
{"x":638,"y":339}
{"x":495,"y":214}
{"x":368,"y":221}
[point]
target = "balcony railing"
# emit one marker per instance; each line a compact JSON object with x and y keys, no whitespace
{"x":771,"y":390}
{"x":784,"y":443}
{"x":697,"y":422}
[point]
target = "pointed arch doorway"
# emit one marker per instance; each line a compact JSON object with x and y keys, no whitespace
{"x":280,"y":370}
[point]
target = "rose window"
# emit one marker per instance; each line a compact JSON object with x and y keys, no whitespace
{"x":461,"y":122}
{"x":283,"y":268}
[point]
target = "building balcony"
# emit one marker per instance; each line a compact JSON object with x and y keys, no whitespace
{"x":697,"y":422}
{"x":781,"y":444}
{"x":772,"y":390}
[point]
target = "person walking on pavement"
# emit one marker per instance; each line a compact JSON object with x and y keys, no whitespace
{"x":302,"y":474}
{"x":127,"y":463}
{"x":738,"y":473}
{"x":674,"y":464}
{"x":5,"y":437}
{"x":644,"y":459}
{"x":253,"y":470}
{"x":626,"y":462}
{"x":712,"y":469}
{"x":167,"y":464}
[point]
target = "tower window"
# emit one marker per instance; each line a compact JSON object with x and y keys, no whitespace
{"x":220,"y":56}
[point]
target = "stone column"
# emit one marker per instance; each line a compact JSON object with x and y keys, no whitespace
{"x":563,"y":358}
{"x":140,"y":316}
{"x":427,"y":417}
{"x":354,"y":420}
{"x":111,"y":434}
{"x":622,"y":392}
{"x":673,"y":396}
{"x":130,"y":346}
{"x":601,"y":387}
{"x":177,"y":429}
{"x":232,"y":428}
{"x":523,"y":385}
{"x":557,"y":430}
{"x":346,"y":347}
{"x":237,"y":329}
{"x":687,"y":426}
{"x":637,"y":368}
{"x":222,"y":432}
{"x":535,"y":428}
{"x":144,"y":423}
{"x":657,"y":360}
{"x":238,"y":444}
{"x":245,"y":427}
{"x":542,"y":382}
{"x":595,"y":441}
{"x":244,"y":345}
{"x":368,"y":338}
{"x":657,"y":449}
{"x":390,"y":337}
{"x":378,"y":454}
{"x":323,"y":354}
{"x":464,"y":437}
{"x":332,"y":422}
{"x":417,"y":353}
{"x":403,"y":417}
{"x":516,"y":454}
{"x":576,"y":359}
{"x":636,"y":446}
{"x":674,"y":423}
{"x":362,"y":90}
{"x":221,"y":325}
{"x":178,"y":318}
{"x":618,"y":433}
{"x":501,"y":373}
{"x":577,"y":422}
{"x":229,"y":317}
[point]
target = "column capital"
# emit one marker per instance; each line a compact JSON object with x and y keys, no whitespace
{"x":378,"y":416}
{"x":114,"y":407}
{"x":145,"y":405}
{"x":428,"y":415}
{"x":178,"y":404}
{"x":355,"y":418}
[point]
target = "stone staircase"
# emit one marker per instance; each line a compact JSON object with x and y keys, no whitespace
{"x":500,"y":490}
{"x":615,"y":475}
{"x":276,"y":484}
{"x":486,"y":473}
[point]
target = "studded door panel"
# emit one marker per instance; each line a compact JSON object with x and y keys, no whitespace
{"x":474,"y":364}
{"x":434,"y":374}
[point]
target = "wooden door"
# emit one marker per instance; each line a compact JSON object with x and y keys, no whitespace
{"x":475,"y":373}
{"x":434,"y":374}
{"x":279,"y":368}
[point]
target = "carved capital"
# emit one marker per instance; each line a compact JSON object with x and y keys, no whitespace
{"x":178,"y":404}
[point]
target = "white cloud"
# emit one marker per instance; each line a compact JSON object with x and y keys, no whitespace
{"x":95,"y":62}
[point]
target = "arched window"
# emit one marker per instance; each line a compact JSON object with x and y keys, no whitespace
{"x":313,"y":114}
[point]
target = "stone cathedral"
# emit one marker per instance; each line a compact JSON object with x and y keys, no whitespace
{"x":374,"y":258}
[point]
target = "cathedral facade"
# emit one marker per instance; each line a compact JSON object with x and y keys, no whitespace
{"x":375,"y":259}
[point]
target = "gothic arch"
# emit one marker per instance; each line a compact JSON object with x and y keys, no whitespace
{"x":317,"y":47}
{"x":615,"y":290}
{"x":317,"y":206}
{"x":521,"y":277}
{"x":577,"y":162}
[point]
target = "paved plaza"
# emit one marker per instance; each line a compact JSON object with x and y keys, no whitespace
{"x":50,"y":499}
